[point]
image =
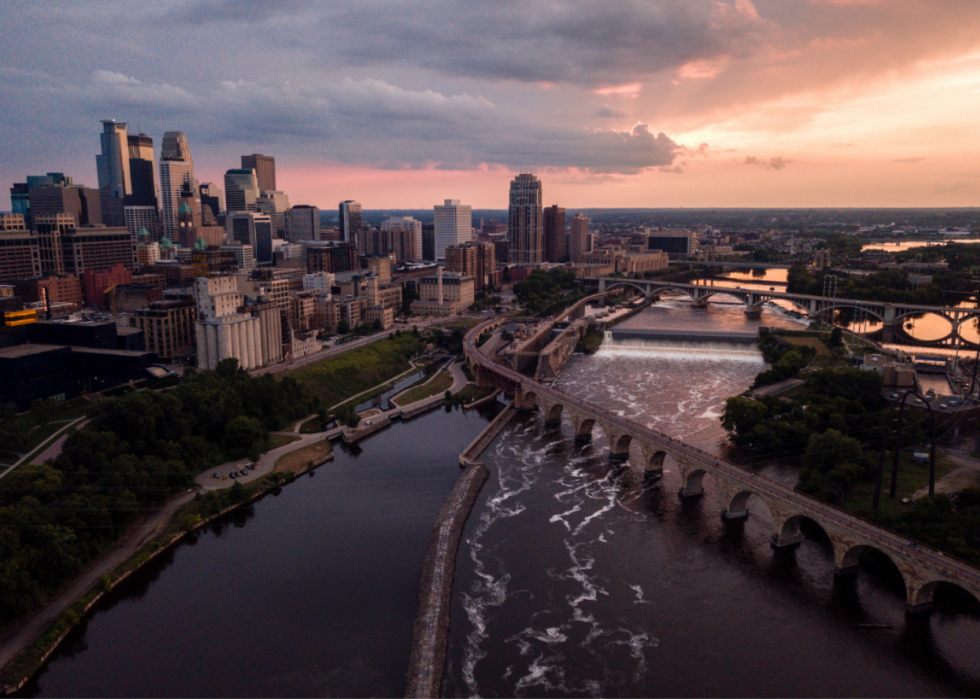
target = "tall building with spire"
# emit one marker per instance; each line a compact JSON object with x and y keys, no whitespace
{"x":176,"y":168}
{"x":525,"y":220}
{"x":112,"y":164}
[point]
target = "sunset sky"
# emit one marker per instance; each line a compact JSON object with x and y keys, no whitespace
{"x":402,"y":104}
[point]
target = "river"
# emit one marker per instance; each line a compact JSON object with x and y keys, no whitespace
{"x":308,"y":592}
{"x":578,"y":578}
{"x":575,"y":577}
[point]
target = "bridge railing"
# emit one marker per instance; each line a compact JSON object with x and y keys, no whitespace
{"x":949,"y":565}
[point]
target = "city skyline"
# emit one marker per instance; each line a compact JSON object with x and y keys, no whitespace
{"x":695,"y":103}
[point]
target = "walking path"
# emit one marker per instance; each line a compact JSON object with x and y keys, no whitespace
{"x":138,"y":535}
{"x":53,"y":450}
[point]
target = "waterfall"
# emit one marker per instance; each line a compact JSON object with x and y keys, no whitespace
{"x":680,"y":349}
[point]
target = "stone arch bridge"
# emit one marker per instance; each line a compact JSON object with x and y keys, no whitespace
{"x":890,"y":314}
{"x":921,"y":567}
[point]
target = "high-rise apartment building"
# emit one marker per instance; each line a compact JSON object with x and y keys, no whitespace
{"x":275,"y":205}
{"x":115,"y":185}
{"x":525,"y":224}
{"x":407,"y":245}
{"x":578,"y":240}
{"x":475,"y":259}
{"x":350,"y":221}
{"x":554,"y":235}
{"x":453,"y":226}
{"x":302,"y":223}
{"x":265,"y":170}
{"x":429,"y":242}
{"x":176,"y":168}
{"x":241,"y":190}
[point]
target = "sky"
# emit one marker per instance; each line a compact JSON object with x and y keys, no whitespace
{"x":401,"y":104}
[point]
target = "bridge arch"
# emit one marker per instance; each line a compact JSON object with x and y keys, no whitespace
{"x":738,"y":505}
{"x":693,"y":483}
{"x":645,"y":291}
{"x":850,"y":306}
{"x":849,"y":557}
{"x":789,"y":533}
{"x":552,"y":413}
{"x":922,"y":598}
{"x":621,"y":448}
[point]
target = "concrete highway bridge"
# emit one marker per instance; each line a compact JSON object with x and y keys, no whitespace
{"x":733,"y":265}
{"x":921,"y":567}
{"x":892,"y":315}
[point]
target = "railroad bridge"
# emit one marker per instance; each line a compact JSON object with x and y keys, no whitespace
{"x":921,"y":567}
{"x":891,"y":315}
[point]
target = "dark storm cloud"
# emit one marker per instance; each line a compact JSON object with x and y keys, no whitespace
{"x":587,"y":43}
{"x":351,"y":121}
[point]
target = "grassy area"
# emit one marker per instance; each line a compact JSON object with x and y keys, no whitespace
{"x":71,"y":409}
{"x":911,"y":477}
{"x":471,"y":393}
{"x":40,"y":435}
{"x":340,"y":378}
{"x":8,"y":457}
{"x":814,"y":342}
{"x":312,"y":425}
{"x":439,"y":384}
{"x":297,"y":461}
{"x":463,"y":323}
{"x":280,"y":440}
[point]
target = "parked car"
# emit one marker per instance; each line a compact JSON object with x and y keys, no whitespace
{"x":233,"y":474}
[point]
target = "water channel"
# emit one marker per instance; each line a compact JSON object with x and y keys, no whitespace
{"x":574,"y":577}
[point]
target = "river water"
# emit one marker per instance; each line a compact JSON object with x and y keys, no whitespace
{"x":309,"y":592}
{"x":577,"y":577}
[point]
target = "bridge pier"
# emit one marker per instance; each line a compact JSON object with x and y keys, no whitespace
{"x":778,"y":541}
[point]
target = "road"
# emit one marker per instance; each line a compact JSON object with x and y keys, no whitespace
{"x":127,"y":546}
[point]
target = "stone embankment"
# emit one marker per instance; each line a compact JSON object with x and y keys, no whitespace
{"x":430,"y":637}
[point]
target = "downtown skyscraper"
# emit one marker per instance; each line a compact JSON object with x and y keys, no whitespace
{"x":453,"y":226}
{"x":265,"y":170}
{"x":112,"y":164}
{"x":349,"y":215}
{"x":176,"y":168}
{"x":525,"y":220}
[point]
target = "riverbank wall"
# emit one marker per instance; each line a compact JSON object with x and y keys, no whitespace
{"x":427,"y":661}
{"x":19,"y":671}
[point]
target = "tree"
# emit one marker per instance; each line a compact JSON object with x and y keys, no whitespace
{"x":42,"y":411}
{"x":242,"y":434}
{"x":836,"y":337}
{"x":376,"y":325}
{"x":831,"y":464}
{"x":343,"y":327}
